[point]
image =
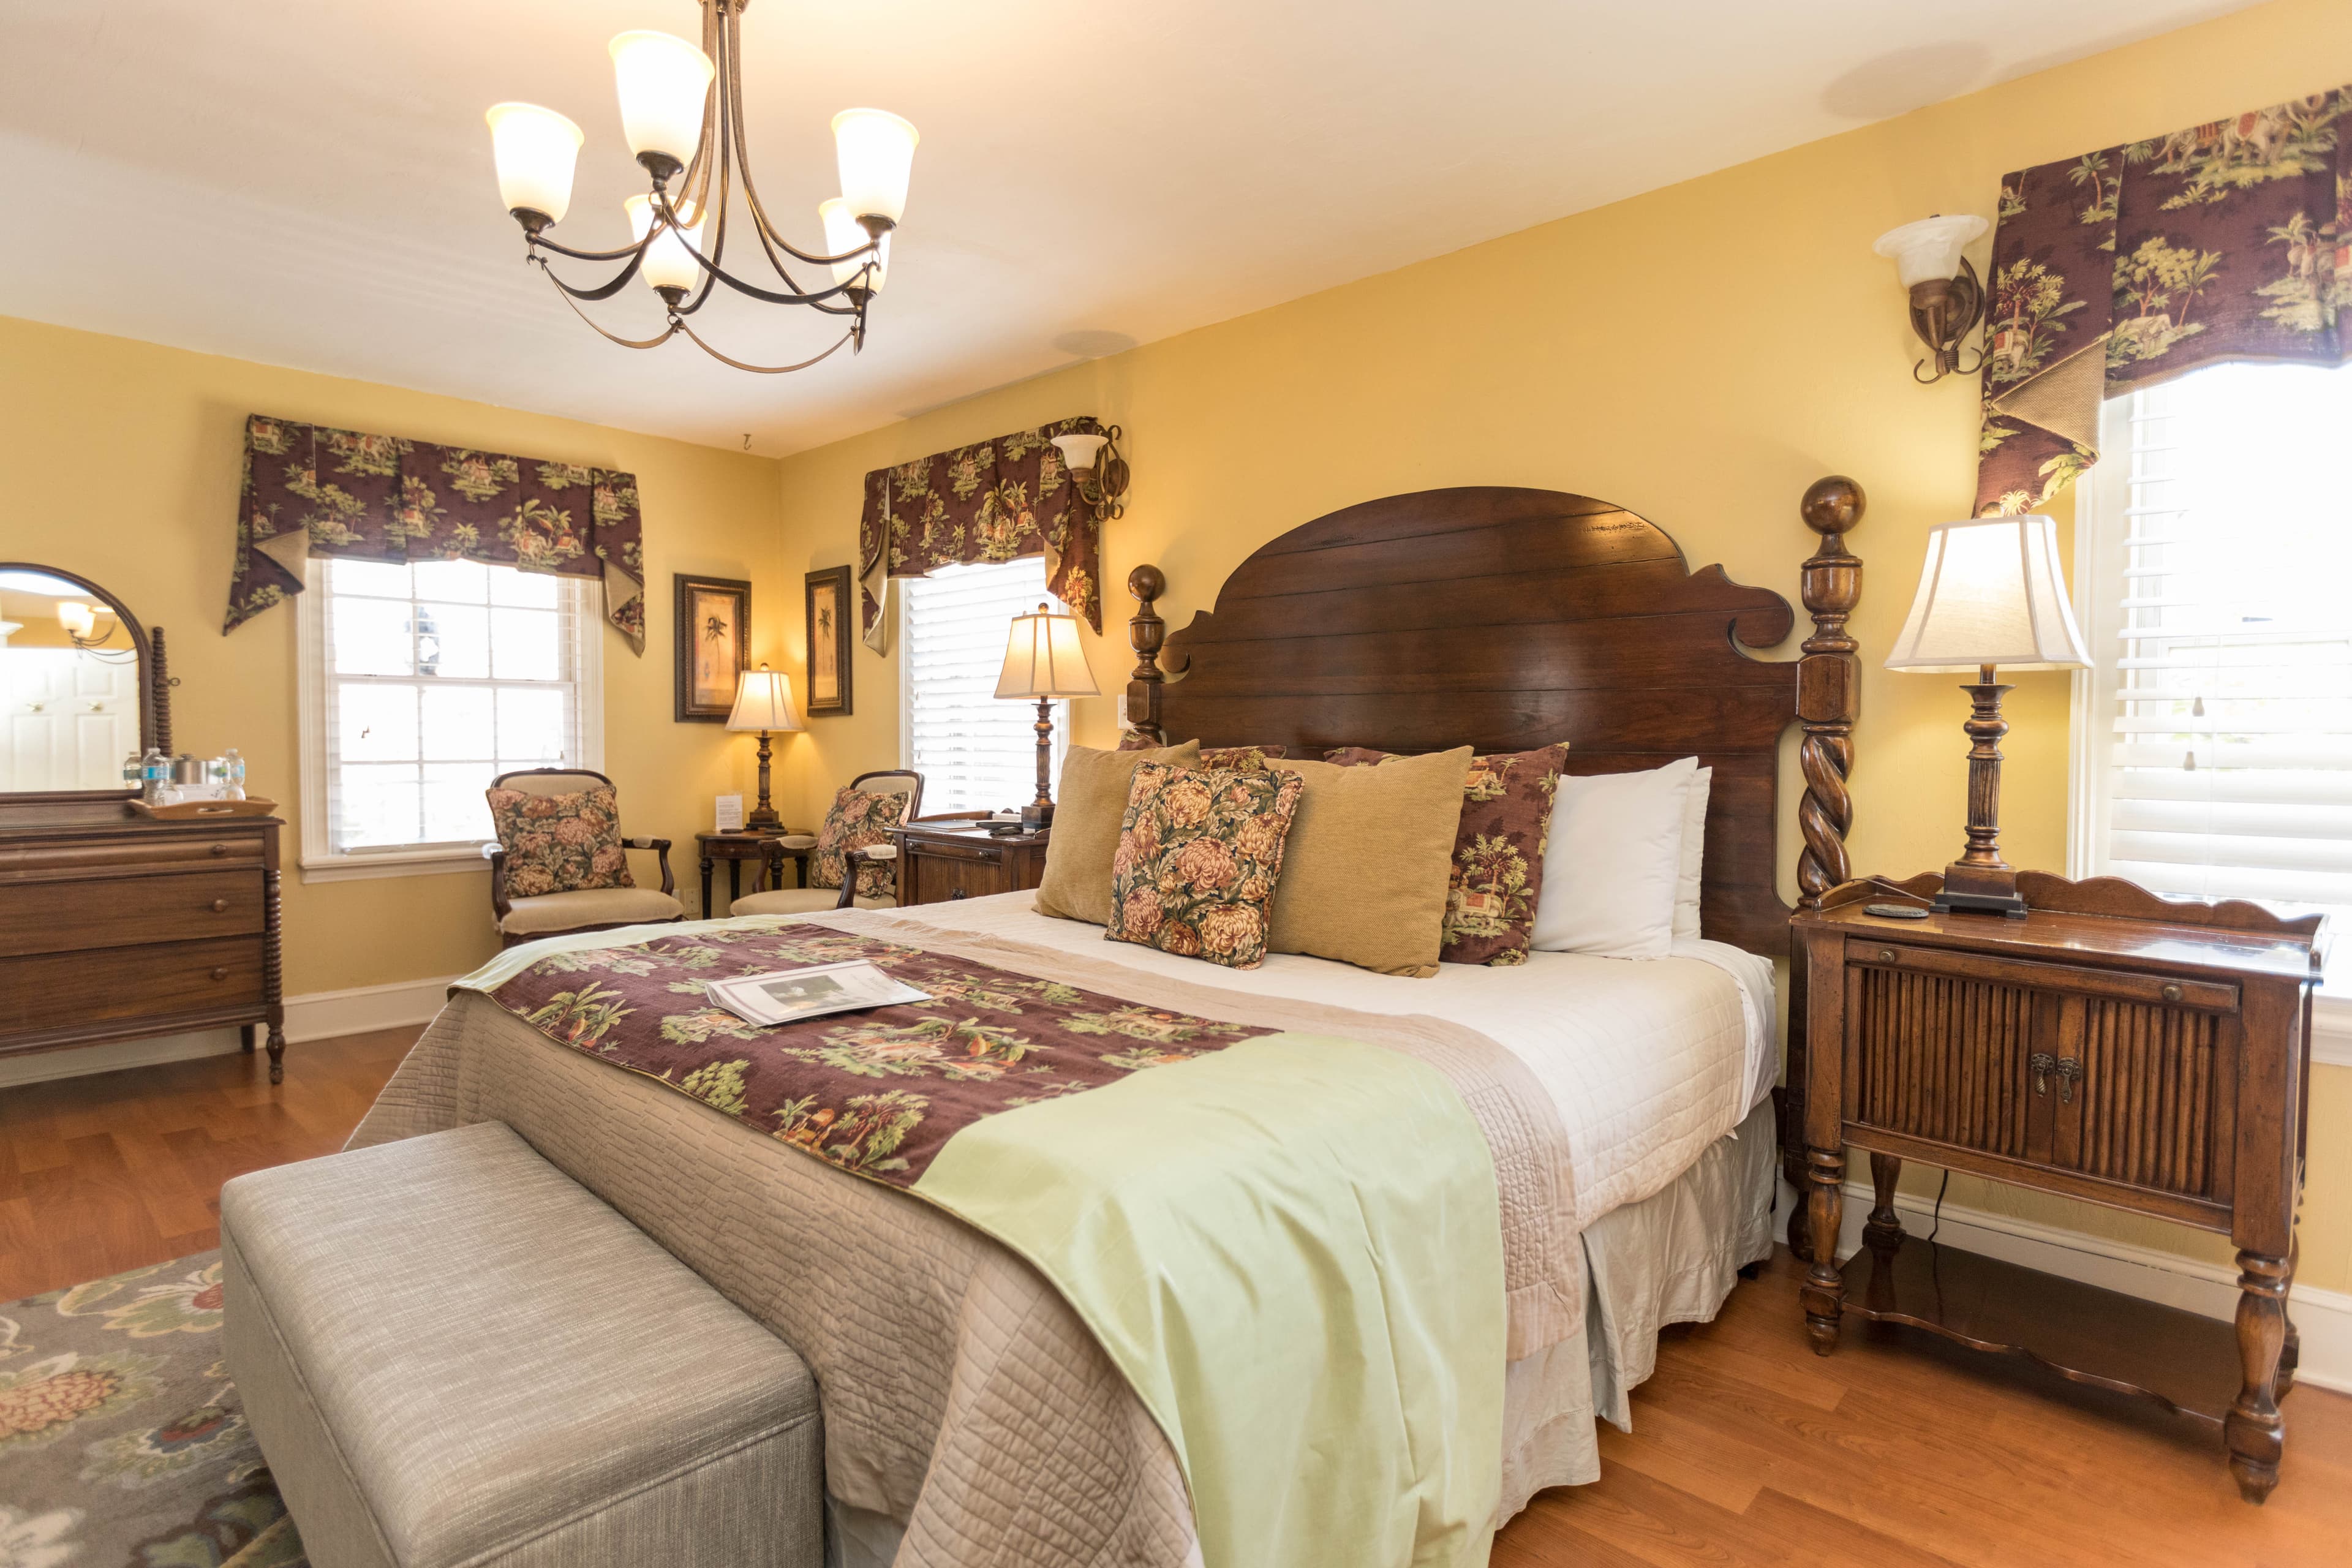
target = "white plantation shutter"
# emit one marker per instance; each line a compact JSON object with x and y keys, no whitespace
{"x":975,"y":751}
{"x":2217,"y":585}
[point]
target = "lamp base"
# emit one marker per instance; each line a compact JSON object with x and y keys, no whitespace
{"x":1036,"y":816}
{"x":1980,"y":890}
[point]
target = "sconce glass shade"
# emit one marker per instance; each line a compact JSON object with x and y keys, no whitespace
{"x":1043,"y":657}
{"x":1991,"y":591}
{"x":663,"y":82}
{"x":666,"y":264}
{"x":536,"y":150}
{"x":1930,"y":251}
{"x":842,"y":234}
{"x":1079,"y":452}
{"x":79,"y":619}
{"x":877,"y":153}
{"x":763,"y":701}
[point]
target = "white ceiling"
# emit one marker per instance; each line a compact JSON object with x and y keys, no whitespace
{"x":309,"y":183}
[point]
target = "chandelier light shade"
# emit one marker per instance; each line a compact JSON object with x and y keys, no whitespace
{"x":877,"y":153}
{"x":682,"y":116}
{"x":664,"y":83}
{"x":537,"y":150}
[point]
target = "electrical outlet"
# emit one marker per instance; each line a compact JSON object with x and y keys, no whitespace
{"x":1122,"y":709}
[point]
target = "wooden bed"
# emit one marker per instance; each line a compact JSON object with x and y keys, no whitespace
{"x":1508,"y":618}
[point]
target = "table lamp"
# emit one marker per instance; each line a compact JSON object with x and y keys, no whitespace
{"x":1991,"y":592}
{"x":1043,"y":659}
{"x":763,"y":701}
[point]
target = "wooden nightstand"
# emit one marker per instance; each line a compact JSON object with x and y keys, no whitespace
{"x":735,"y":848}
{"x":955,"y":858}
{"x":2110,"y":1045}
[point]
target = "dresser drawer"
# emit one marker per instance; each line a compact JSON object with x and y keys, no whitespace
{"x":114,"y":985}
{"x":115,"y":855}
{"x":950,"y":850}
{"x":936,"y":879}
{"x":2171,"y":990}
{"x":66,"y":915}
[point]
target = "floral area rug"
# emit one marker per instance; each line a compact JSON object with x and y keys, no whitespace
{"x":122,"y":1444}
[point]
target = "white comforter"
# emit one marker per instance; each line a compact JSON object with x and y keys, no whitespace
{"x":1649,"y":1061}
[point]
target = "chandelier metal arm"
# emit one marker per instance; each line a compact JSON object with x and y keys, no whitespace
{"x":772,"y":239}
{"x":709,"y":265}
{"x":633,"y":252}
{"x":604,"y":292}
{"x":668,"y":333}
{"x":680,"y":326}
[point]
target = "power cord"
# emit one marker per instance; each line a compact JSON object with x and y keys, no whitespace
{"x":1936,"y":1221}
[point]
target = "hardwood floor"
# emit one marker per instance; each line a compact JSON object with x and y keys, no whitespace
{"x":1747,"y":1451}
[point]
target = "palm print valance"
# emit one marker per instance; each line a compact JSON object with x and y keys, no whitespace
{"x":312,"y":490}
{"x":2228,"y":240}
{"x":995,"y":501}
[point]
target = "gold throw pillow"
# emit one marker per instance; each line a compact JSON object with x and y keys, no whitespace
{"x":1089,"y":806}
{"x":1368,"y":861}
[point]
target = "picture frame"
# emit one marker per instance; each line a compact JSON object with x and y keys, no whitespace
{"x":829,"y":613}
{"x":713,"y":633}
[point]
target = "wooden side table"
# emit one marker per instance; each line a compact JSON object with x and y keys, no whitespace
{"x":949,"y":858}
{"x":2142,"y":1053}
{"x":734,"y":848}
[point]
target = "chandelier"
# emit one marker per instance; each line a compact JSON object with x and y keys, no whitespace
{"x":682,"y":113}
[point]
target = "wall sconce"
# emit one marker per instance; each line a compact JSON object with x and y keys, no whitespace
{"x":1097,"y":470}
{"x":1947,"y":296}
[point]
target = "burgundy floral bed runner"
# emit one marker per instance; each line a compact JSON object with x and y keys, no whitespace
{"x":876,"y":1092}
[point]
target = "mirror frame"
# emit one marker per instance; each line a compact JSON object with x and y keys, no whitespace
{"x":154,"y":688}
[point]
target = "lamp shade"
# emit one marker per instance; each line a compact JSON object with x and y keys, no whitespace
{"x":79,"y":619}
{"x":843,"y":235}
{"x":663,"y":81}
{"x":1043,"y":658}
{"x":1079,"y":452}
{"x":1929,"y":250}
{"x":1991,"y":591}
{"x":536,"y":150}
{"x":668,"y":263}
{"x":877,"y":153}
{"x":763,"y":701}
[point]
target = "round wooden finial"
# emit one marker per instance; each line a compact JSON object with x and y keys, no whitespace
{"x":1833,"y":505}
{"x":1147,"y":583}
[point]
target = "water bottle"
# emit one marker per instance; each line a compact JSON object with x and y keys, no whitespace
{"x":133,"y":773}
{"x":233,"y":772}
{"x":154,"y":770}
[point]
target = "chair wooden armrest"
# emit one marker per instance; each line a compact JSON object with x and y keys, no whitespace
{"x":497,"y":856}
{"x":660,"y":846}
{"x":885,"y":853}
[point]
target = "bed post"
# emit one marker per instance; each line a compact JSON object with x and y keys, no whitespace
{"x":1827,"y":688}
{"x":1147,"y":634}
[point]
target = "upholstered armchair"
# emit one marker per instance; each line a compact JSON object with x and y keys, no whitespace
{"x":529,"y":918}
{"x":775,"y":899}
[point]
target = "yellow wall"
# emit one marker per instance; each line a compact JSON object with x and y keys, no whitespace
{"x":1700,"y":354}
{"x":123,"y":461}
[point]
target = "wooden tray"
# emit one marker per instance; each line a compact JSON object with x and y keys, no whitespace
{"x":196,"y":810}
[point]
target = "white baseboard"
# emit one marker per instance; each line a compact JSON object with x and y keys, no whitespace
{"x":319,"y":1016}
{"x":2324,"y":1317}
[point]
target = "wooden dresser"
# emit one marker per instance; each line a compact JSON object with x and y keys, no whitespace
{"x":2144,"y":1053}
{"x":115,"y":926}
{"x":948,"y":859}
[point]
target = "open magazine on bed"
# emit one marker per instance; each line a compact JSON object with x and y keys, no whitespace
{"x":789,"y":996}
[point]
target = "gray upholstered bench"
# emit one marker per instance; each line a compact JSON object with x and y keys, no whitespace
{"x":452,"y":1353}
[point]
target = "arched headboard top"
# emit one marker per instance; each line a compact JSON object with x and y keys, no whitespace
{"x":1504,"y":619}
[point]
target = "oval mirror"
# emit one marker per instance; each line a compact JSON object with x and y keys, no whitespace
{"x":76,"y":685}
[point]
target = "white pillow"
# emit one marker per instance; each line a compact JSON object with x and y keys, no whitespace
{"x":1613,"y":863}
{"x":1693,"y":848}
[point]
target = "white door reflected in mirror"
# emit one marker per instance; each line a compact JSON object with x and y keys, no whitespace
{"x":70,"y":695}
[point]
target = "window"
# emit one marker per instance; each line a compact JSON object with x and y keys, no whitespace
{"x":975,"y":751}
{"x":421,"y":684}
{"x":2215,"y":548}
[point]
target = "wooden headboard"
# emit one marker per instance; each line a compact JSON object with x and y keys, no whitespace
{"x":1507,"y":619}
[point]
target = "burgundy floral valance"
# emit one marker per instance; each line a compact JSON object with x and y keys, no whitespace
{"x":2228,"y":240}
{"x":994,"y":500}
{"x":312,"y":490}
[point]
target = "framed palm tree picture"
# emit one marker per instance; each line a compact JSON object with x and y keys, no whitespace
{"x":714,"y":644}
{"x":828,"y":641}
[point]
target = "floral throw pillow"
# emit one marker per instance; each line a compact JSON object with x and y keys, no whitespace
{"x":1199,"y":852}
{"x":857,"y":818}
{"x":559,"y":843}
{"x":1247,"y":759}
{"x":1498,"y":852}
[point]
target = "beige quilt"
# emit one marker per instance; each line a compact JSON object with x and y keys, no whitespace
{"x":962,"y":1395}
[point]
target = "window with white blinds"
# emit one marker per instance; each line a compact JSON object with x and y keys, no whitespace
{"x":975,"y":751}
{"x":424,"y":682}
{"x":2213,"y":576}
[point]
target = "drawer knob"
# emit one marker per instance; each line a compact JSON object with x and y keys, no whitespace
{"x":1885,"y":955}
{"x":220,"y":975}
{"x":2070,"y":1073}
{"x":220,"y":906}
{"x":2041,"y":1064}
{"x":220,"y":849}
{"x":2171,"y":994}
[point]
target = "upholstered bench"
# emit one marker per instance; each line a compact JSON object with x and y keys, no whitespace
{"x":451,"y":1353}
